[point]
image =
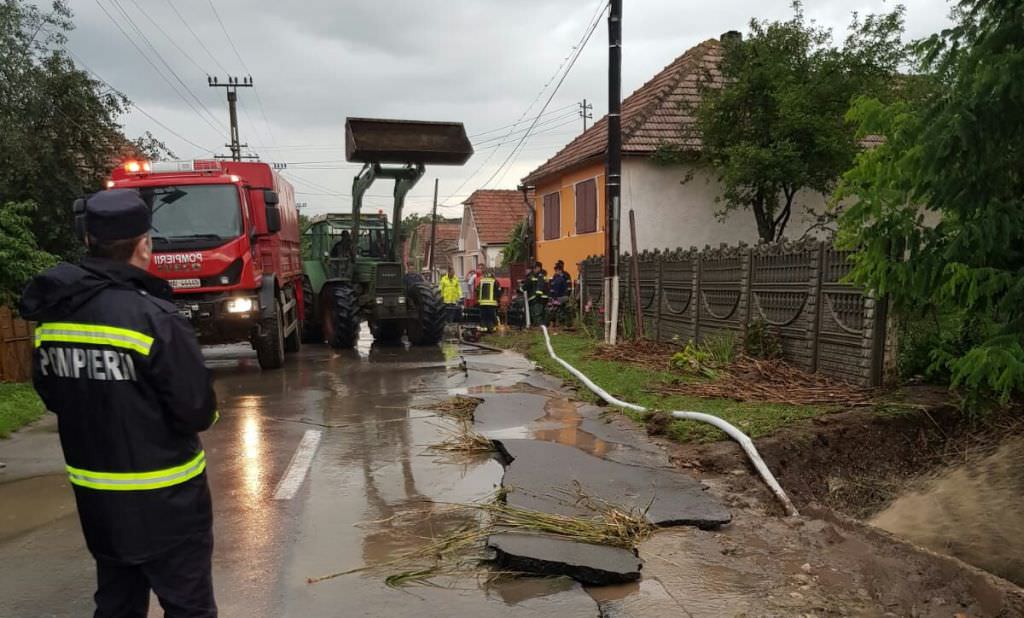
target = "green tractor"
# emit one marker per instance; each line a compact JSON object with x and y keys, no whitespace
{"x":353,"y":264}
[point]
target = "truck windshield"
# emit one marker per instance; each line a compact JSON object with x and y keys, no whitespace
{"x":196,"y":212}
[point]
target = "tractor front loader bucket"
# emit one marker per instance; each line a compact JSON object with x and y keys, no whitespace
{"x":379,"y":141}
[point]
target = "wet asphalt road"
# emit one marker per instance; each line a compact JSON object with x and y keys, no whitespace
{"x":372,"y":463}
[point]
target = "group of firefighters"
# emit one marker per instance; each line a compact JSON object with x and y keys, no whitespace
{"x":485,"y":291}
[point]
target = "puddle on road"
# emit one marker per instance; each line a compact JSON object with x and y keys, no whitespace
{"x":34,"y":502}
{"x":561,"y":424}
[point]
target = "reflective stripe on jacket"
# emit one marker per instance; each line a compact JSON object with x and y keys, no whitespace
{"x":487,"y":292}
{"x":451,"y":290}
{"x":126,"y":378}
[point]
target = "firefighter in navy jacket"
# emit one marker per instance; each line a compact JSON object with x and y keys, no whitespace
{"x":125,"y":376}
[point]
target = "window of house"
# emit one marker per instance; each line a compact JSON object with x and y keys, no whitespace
{"x":552,"y":216}
{"x":586,"y":207}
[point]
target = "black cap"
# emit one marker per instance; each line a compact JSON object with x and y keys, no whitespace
{"x":118,"y":214}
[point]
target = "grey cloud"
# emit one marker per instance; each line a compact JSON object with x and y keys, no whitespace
{"x":478,"y":61}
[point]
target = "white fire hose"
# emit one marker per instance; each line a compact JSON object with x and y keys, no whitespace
{"x":741,"y":438}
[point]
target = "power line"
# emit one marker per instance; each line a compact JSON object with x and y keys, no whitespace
{"x":152,"y":64}
{"x":136,"y":106}
{"x":514,"y":135}
{"x":549,"y":129}
{"x":170,"y":38}
{"x":160,"y":57}
{"x":578,"y":51}
{"x":259,"y":100}
{"x":245,"y":109}
{"x":602,"y":4}
{"x":517,"y":123}
{"x":198,"y":40}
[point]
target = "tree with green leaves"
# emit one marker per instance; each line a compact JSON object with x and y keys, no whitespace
{"x":938,"y":209}
{"x":772,"y":123}
{"x":59,"y":125}
{"x":20,"y":255}
{"x":517,"y":250}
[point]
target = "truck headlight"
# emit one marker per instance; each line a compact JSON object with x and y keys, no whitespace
{"x":239,"y":305}
{"x":401,"y":300}
{"x":380,"y":300}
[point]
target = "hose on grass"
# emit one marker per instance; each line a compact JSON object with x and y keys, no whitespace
{"x":741,"y":438}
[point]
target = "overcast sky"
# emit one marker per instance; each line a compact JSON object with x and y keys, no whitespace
{"x":482,"y":62}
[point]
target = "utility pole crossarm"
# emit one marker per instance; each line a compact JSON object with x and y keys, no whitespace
{"x":586,"y":112}
{"x":232,"y":85}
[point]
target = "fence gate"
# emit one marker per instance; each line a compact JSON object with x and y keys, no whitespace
{"x":15,"y":347}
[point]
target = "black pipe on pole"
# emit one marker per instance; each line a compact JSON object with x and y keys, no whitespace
{"x":613,"y":173}
{"x":613,"y":170}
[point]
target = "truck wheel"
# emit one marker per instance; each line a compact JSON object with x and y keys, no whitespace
{"x":387,"y":331}
{"x":270,"y":342}
{"x":311,"y":331}
{"x":340,"y":316}
{"x":427,"y":328}
{"x":293,"y":342}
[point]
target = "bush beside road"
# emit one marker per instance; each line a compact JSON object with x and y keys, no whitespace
{"x":19,"y":406}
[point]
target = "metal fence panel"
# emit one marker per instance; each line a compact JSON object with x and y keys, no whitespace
{"x":795,"y":289}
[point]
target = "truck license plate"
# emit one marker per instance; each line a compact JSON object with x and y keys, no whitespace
{"x":184,"y":284}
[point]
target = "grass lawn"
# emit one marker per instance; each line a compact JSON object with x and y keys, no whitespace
{"x":19,"y":406}
{"x":638,"y":385}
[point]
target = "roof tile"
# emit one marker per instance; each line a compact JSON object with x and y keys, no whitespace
{"x":496,"y":212}
{"x":651,"y":117}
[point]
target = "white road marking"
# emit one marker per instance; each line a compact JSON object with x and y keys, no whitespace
{"x":289,"y":484}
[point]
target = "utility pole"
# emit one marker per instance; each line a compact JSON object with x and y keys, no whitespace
{"x":232,"y":87}
{"x":586,"y":112}
{"x":613,"y":172}
{"x":433,"y":234}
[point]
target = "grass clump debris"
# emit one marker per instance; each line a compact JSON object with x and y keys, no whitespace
{"x":458,"y":407}
{"x":465,"y":441}
{"x":461,"y":551}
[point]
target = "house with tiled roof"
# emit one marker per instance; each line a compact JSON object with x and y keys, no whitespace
{"x":569,"y":208}
{"x":488,"y":217}
{"x":446,"y":239}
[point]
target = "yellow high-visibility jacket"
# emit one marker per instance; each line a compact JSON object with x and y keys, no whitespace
{"x":451,"y":290}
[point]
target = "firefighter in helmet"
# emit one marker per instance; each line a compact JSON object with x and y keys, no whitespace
{"x":488,"y":295}
{"x":125,"y":376}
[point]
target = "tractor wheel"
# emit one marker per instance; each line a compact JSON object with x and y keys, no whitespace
{"x":427,"y":328}
{"x":339,"y":316}
{"x":270,"y":341}
{"x":311,"y":331}
{"x":387,"y":331}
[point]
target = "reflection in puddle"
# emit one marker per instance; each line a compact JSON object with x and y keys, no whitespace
{"x":252,"y":453}
{"x":34,"y":502}
{"x":516,"y":590}
{"x":563,"y":414}
{"x":603,"y":594}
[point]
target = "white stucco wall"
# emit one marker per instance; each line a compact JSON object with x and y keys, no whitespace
{"x":671,"y":214}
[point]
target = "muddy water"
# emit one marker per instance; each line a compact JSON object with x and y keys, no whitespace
{"x":974,"y":512}
{"x":34,"y":502}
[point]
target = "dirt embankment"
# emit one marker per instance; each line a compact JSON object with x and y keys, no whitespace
{"x":929,"y":476}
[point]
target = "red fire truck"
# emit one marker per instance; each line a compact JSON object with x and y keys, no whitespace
{"x":226,"y":237}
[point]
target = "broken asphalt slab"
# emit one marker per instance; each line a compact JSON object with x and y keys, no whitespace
{"x":536,"y":471}
{"x":595,"y":565}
